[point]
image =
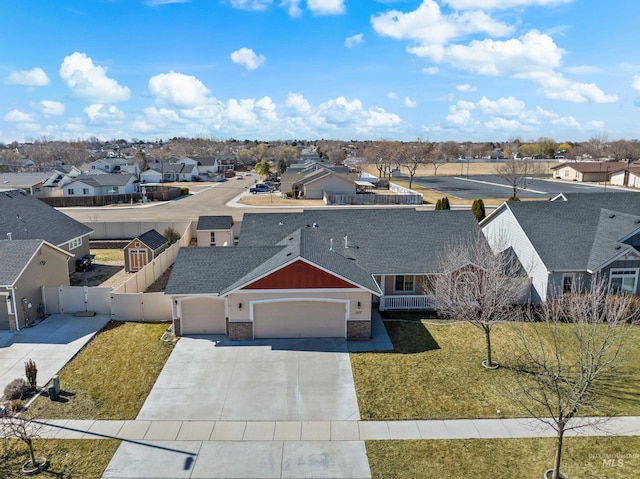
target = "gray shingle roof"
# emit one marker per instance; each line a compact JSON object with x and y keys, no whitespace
{"x":214,"y":223}
{"x":26,"y":217}
{"x":381,"y":241}
{"x":578,"y":234}
{"x":114,"y":179}
{"x":153,"y":239}
{"x":14,"y":256}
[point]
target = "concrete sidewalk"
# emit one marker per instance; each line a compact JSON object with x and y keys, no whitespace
{"x":251,"y":431}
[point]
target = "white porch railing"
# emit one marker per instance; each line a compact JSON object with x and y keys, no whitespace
{"x":407,"y":302}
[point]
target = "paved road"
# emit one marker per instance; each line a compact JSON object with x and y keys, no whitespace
{"x":489,"y":186}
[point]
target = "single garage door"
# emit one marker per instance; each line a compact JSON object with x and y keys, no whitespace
{"x":203,"y":316}
{"x":299,"y":319}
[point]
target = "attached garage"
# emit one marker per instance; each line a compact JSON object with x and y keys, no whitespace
{"x":203,"y":316}
{"x":299,"y":319}
{"x":4,"y":313}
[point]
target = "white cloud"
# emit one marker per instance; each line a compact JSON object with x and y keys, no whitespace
{"x":298,"y":104}
{"x":153,"y":3}
{"x":500,"y":4}
{"x":326,"y":7}
{"x":409,"y":103}
{"x":502,"y":106}
{"x":555,"y":86}
{"x":430,"y":29}
{"x":354,"y":40}
{"x":431,"y":70}
{"x":34,"y":77}
{"x":178,"y":89}
{"x":636,"y":82}
{"x":392,"y":95}
{"x":247,"y":58}
{"x":251,"y":4}
{"x":294,"y":7}
{"x":51,"y":108}
{"x":17,"y":116}
{"x":98,"y":113}
{"x":466,"y":88}
{"x":90,"y":82}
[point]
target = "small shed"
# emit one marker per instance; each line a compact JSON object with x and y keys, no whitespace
{"x":215,"y":231}
{"x":143,"y":249}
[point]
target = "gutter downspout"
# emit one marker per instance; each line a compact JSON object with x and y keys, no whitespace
{"x":15,"y":307}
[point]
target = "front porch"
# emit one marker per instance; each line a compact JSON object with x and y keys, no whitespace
{"x":407,"y":302}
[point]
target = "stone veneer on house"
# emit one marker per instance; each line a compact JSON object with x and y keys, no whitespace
{"x":358,"y":329}
{"x":240,"y":330}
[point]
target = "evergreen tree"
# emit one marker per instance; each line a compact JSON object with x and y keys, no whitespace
{"x":439,"y":204}
{"x":445,"y":203}
{"x":478,"y":209}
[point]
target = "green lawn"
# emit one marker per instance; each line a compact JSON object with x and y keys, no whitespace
{"x":68,"y":459}
{"x":112,"y":376}
{"x":583,"y":457}
{"x":435,"y":373}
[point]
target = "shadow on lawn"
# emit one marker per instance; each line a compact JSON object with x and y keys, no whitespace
{"x":409,"y":337}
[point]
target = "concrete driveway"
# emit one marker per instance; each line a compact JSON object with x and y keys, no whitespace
{"x":51,"y":344}
{"x":245,"y":388}
{"x":212,"y":378}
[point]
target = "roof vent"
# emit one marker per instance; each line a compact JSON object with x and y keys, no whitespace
{"x":331,"y":244}
{"x":618,"y":246}
{"x":612,"y":216}
{"x":280,"y":223}
{"x":315,"y":225}
{"x":346,"y":241}
{"x":9,"y":236}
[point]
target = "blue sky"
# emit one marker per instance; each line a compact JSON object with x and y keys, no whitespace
{"x":438,"y":70}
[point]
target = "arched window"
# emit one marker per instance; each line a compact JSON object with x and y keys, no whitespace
{"x":466,"y":287}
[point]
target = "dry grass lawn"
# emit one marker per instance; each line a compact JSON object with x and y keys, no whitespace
{"x":583,"y":457}
{"x":108,"y":256}
{"x":68,"y":459}
{"x":435,"y":373}
{"x":111,"y":377}
{"x":274,"y":199}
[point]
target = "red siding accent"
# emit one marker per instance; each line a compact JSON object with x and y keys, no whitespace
{"x":299,"y":275}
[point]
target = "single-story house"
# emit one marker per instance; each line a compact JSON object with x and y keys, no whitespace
{"x":215,"y":231}
{"x":27,"y":266}
{"x":312,"y":274}
{"x":628,"y":177}
{"x":168,"y":172}
{"x":30,"y":218}
{"x":142,"y":249}
{"x":32,"y":183}
{"x":101,"y":185}
{"x":587,"y":171}
{"x":563,"y":243}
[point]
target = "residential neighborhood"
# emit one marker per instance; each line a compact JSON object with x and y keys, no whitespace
{"x":303,"y":321}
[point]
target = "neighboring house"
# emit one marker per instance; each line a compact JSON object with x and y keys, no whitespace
{"x":313,"y":274}
{"x":27,"y":266}
{"x":562,"y":244}
{"x":628,"y":177}
{"x":30,"y":182}
{"x":108,"y":165}
{"x":101,"y":185}
{"x":215,"y":231}
{"x":169,"y":172}
{"x":62,"y":175}
{"x":313,"y":185}
{"x":587,"y":171}
{"x":25,"y":217}
{"x":141,"y":250}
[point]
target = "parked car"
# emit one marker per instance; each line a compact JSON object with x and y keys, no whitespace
{"x":260,"y":188}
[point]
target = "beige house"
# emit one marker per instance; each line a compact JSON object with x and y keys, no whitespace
{"x":313,"y":185}
{"x":628,"y":177}
{"x":599,"y":171}
{"x":27,"y":266}
{"x":215,"y":231}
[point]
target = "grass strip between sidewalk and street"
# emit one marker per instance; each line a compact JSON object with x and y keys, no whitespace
{"x":111,"y":376}
{"x":68,"y":458}
{"x":583,"y":457}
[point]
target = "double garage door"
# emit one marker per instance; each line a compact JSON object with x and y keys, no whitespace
{"x":299,"y":319}
{"x":203,"y":316}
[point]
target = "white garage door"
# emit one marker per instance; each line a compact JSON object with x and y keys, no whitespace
{"x":203,"y":316}
{"x":301,"y":319}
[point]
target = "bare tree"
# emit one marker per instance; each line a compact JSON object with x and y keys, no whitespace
{"x":412,"y":155}
{"x":476,"y":285}
{"x":443,"y":153}
{"x":518,"y":173}
{"x":25,"y":430}
{"x":570,"y":358}
{"x":381,"y":155}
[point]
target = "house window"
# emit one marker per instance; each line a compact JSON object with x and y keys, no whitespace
{"x":404,"y":283}
{"x":75,"y":243}
{"x":70,"y":191}
{"x":466,"y":288}
{"x":85,"y":191}
{"x":114,"y":190}
{"x":212,"y":238}
{"x":567,"y":283}
{"x":566,"y":172}
{"x":623,"y":281}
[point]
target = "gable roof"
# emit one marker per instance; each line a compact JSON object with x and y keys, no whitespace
{"x":581,"y":232}
{"x":214,"y":222}
{"x":26,"y":217}
{"x":15,"y":255}
{"x":152,"y":239}
{"x":593,"y":166}
{"x":379,"y":240}
{"x":222,"y":272}
{"x":97,"y":181}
